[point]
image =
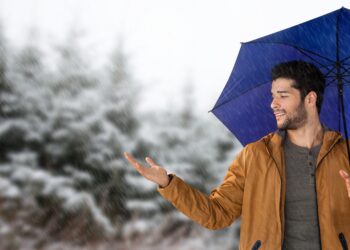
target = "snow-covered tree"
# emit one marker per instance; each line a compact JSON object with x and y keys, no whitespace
{"x":118,"y":112}
{"x":51,"y":181}
{"x":6,"y":93}
{"x":196,"y":148}
{"x":11,"y":109}
{"x":62,"y":133}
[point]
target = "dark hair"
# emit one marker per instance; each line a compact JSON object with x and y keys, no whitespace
{"x":307,"y":77}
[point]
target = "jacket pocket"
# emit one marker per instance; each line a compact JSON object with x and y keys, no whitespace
{"x":257,"y":245}
{"x":343,"y":241}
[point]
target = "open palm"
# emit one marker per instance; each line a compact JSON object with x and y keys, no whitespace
{"x":154,"y":173}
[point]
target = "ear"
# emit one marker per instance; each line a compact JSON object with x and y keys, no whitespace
{"x":311,"y":98}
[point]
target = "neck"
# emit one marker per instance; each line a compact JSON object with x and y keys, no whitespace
{"x":309,"y":135}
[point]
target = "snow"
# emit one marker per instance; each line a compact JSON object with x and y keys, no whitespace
{"x":8,"y":190}
{"x":141,"y":183}
{"x":137,"y":205}
{"x":73,"y":200}
{"x":4,"y":227}
{"x":72,"y":125}
{"x":80,"y":176}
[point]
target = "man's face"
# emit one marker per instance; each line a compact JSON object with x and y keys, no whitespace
{"x":287,"y":105}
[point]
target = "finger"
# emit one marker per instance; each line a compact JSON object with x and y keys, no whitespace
{"x":346,"y":178}
{"x":150,"y":161}
{"x":129,"y":158}
{"x":132,"y":160}
{"x":344,"y":174}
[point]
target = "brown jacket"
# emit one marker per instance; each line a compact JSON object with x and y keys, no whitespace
{"x":254,"y":188}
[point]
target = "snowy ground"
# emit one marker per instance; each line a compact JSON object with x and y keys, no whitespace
{"x":173,"y":232}
{"x":197,"y":239}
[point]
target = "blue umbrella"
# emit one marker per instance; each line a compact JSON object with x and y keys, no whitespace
{"x":244,"y":104}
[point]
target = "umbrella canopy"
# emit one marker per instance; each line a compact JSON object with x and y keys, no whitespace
{"x":244,"y":104}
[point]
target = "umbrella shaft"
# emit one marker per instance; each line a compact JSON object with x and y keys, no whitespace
{"x":341,"y":99}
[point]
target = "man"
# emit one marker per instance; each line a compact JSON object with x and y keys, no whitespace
{"x":287,"y":187}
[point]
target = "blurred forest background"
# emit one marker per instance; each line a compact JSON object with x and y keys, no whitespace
{"x":64,"y":125}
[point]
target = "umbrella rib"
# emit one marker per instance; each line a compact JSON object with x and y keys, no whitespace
{"x":345,"y":80}
{"x":334,"y":79}
{"x":256,"y":86}
{"x":345,"y":70}
{"x":345,"y":74}
{"x":344,"y":59}
{"x":330,"y":71}
{"x":303,"y":51}
{"x":307,"y":52}
{"x":299,"y":49}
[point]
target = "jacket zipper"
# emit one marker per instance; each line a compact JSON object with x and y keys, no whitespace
{"x":268,"y":151}
{"x":318,"y":220}
{"x":330,"y":149}
{"x":343,"y":241}
{"x":257,"y":245}
{"x":319,"y":228}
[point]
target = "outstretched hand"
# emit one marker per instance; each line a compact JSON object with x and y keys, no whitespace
{"x":155,"y":173}
{"x":346,"y":178}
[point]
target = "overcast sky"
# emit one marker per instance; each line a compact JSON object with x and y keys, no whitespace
{"x":170,"y":43}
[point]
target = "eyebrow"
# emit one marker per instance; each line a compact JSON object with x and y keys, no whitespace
{"x":281,"y":92}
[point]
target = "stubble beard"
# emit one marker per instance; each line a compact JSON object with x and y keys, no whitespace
{"x":295,"y":120}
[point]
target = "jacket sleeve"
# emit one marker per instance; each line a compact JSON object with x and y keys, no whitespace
{"x":220,"y":208}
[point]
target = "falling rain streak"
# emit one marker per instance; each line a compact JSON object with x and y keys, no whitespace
{"x":63,"y":181}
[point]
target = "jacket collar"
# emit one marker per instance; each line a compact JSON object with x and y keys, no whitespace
{"x":274,"y":143}
{"x":274,"y":146}
{"x":330,"y":138}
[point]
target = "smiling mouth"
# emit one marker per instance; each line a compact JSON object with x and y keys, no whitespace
{"x":279,"y":114}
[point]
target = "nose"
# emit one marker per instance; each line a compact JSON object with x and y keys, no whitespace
{"x":274,"y":103}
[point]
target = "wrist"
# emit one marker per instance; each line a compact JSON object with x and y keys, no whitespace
{"x":169,"y":178}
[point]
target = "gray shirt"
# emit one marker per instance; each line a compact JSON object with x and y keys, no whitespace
{"x":301,"y":218}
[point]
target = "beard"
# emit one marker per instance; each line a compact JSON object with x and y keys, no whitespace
{"x":294,"y":120}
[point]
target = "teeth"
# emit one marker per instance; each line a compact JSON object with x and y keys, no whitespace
{"x":279,"y":114}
